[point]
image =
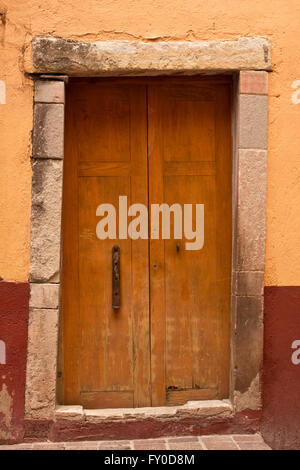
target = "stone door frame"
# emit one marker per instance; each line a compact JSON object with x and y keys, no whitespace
{"x":52,"y":61}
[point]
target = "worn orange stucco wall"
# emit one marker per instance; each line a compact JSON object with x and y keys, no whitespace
{"x":278,"y":20}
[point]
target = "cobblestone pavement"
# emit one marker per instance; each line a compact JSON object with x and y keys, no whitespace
{"x":216,"y":442}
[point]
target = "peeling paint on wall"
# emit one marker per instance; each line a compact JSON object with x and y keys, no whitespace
{"x":251,"y":399}
{"x":6,"y":404}
{"x":2,"y":352}
{"x":296,"y":94}
{"x":14,"y":300}
{"x":2,"y":92}
{"x":296,"y":354}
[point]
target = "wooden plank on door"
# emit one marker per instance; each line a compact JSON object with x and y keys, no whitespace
{"x":189,"y":126}
{"x":69,"y":392}
{"x":224,"y":230}
{"x":107,"y":399}
{"x":107,"y":150}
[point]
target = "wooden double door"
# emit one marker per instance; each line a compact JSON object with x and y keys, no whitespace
{"x":155,"y":141}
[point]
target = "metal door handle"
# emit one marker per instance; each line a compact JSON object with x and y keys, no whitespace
{"x":116,"y":294}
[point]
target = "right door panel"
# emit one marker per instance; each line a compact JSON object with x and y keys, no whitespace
{"x":189,"y":131}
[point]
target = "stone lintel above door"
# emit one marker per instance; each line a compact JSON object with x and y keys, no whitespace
{"x":132,"y":58}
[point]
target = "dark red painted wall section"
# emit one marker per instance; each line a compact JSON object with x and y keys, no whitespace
{"x":14,"y":301}
{"x":281,"y":378}
{"x":280,"y":422}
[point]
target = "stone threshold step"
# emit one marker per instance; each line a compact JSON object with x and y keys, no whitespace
{"x":205,"y":408}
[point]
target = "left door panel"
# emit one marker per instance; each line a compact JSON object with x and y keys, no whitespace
{"x":104,"y":356}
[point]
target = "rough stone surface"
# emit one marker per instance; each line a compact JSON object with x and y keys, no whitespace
{"x":253,"y":121}
{"x":44,"y":295}
{"x":254,"y":82}
{"x":46,"y":220}
{"x":49,"y":91}
{"x":36,"y":430}
{"x":251,"y":399}
{"x":191,"y":408}
{"x":60,"y":430}
{"x":248,"y":279}
{"x":48,"y":132}
{"x":58,"y":55}
{"x":249,"y":341}
{"x":249,"y":283}
{"x":251,"y":216}
{"x":41,"y":364}
{"x":74,"y":412}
